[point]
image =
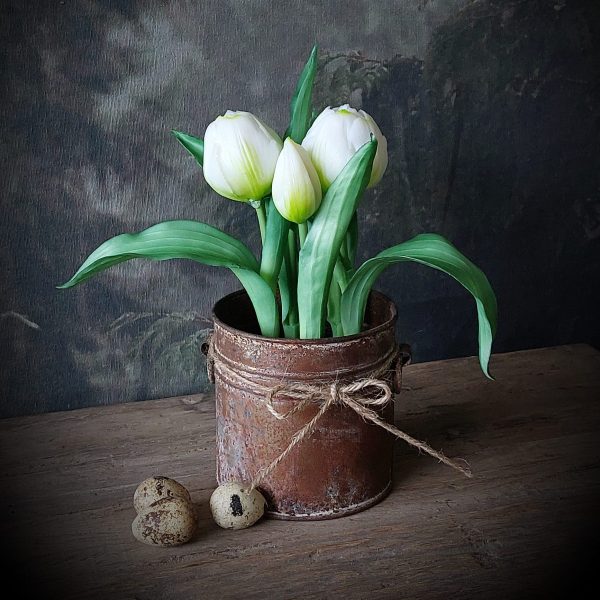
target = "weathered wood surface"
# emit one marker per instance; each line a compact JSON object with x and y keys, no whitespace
{"x":524,"y":526}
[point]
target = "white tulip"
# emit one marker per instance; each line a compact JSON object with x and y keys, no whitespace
{"x":296,"y":188}
{"x":334,"y":138}
{"x":240,"y":153}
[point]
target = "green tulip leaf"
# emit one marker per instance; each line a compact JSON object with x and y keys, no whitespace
{"x":434,"y":251}
{"x":276,"y":237}
{"x":194,"y":145}
{"x":195,"y":241}
{"x":287,"y":289}
{"x":324,"y":240}
{"x":288,"y":280}
{"x":301,"y":113}
{"x":301,"y":106}
{"x":348,"y":249}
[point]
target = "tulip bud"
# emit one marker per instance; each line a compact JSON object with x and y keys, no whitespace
{"x":334,"y":138}
{"x":296,"y":188}
{"x":240,"y":153}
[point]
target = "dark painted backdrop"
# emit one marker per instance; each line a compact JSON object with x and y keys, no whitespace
{"x":492,"y":114}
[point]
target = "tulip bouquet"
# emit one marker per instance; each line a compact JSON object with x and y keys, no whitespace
{"x":305,"y":190}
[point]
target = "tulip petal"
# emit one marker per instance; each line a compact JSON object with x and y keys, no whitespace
{"x":296,"y":188}
{"x":240,"y":153}
{"x":336,"y":135}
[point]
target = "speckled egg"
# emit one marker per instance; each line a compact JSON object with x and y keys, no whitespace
{"x":166,"y":522}
{"x":234,"y":507}
{"x":158,"y":488}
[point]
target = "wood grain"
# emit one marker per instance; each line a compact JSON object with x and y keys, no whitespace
{"x":520,"y":528}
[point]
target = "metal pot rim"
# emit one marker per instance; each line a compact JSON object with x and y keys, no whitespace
{"x":318,"y":341}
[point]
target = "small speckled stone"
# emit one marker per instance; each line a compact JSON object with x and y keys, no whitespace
{"x":158,"y":488}
{"x":233,"y":507}
{"x":167,"y":522}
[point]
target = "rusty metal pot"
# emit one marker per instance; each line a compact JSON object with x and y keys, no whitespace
{"x":345,"y":466}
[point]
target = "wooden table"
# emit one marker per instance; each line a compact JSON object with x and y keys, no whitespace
{"x":525,"y":526}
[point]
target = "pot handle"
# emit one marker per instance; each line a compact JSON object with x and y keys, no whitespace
{"x":205,"y":348}
{"x":404,"y":358}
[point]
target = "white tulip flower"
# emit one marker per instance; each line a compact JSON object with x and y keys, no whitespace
{"x":334,"y":138}
{"x":296,"y":188}
{"x":240,"y":153}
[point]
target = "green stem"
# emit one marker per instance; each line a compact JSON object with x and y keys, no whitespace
{"x":334,"y":313}
{"x":293,"y":252}
{"x":344,"y":256}
{"x":291,"y":325}
{"x":261,"y":213}
{"x":302,"y":232}
{"x":339,"y":282}
{"x":339,"y":275}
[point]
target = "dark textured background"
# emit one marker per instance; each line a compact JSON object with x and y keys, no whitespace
{"x":490,"y":109}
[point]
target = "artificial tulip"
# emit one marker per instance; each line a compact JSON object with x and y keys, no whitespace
{"x":296,"y":188}
{"x":334,"y":138}
{"x":240,"y":153}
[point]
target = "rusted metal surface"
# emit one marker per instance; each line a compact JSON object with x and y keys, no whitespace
{"x":346,"y":465}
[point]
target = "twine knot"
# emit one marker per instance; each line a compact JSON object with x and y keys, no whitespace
{"x":334,"y":393}
{"x":360,"y":396}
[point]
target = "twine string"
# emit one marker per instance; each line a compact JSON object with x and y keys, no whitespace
{"x":359,"y":396}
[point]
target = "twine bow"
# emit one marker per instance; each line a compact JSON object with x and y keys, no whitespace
{"x":359,"y":396}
